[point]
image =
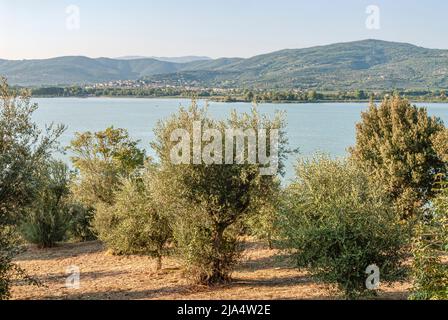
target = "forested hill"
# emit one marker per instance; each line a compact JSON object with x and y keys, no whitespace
{"x":367,"y":64}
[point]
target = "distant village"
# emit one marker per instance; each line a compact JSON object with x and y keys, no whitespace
{"x":155,"y":84}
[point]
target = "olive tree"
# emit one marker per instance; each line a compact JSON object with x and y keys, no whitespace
{"x":47,"y":221}
{"x":209,"y":186}
{"x":101,"y":160}
{"x":263,"y":224}
{"x":23,"y":149}
{"x":134,"y":224}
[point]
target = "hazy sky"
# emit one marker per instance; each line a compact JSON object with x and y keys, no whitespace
{"x":216,"y":28}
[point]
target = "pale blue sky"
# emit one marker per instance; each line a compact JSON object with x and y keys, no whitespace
{"x":243,"y":28}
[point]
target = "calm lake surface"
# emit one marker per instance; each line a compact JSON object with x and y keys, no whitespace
{"x":312,"y":127}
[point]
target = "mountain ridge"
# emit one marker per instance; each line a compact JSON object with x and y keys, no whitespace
{"x":366,"y":64}
{"x":182,"y":59}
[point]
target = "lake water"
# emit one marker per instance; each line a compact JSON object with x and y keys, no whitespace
{"x":312,"y":127}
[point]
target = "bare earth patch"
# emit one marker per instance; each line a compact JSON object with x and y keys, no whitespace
{"x":263,"y":275}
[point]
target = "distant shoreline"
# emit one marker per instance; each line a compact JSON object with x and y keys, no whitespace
{"x":233,"y":101}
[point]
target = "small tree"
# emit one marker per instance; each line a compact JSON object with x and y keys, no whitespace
{"x":336,"y":223}
{"x":23,"y":148}
{"x":47,"y":220}
{"x":263,"y":224}
{"x":134,"y":224}
{"x":7,"y":252}
{"x":81,"y":217}
{"x":209,"y":200}
{"x":430,"y":245}
{"x":101,"y":159}
{"x":396,"y":144}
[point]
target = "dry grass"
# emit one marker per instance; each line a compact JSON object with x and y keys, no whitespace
{"x":263,"y":275}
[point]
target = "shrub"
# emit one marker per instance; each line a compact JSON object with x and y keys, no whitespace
{"x":8,"y":249}
{"x":81,"y":217}
{"x":47,"y":219}
{"x":430,"y":272}
{"x":210,"y":201}
{"x":397,"y":144}
{"x":134,"y":224}
{"x":336,"y":223}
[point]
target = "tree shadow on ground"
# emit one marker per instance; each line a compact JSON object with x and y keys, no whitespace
{"x":271,"y":282}
{"x":181,"y":291}
{"x":55,"y":278}
{"x":125,"y":294}
{"x":61,"y":251}
{"x":275,"y":261}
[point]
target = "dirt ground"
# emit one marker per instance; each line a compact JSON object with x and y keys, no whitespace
{"x":262,"y":275}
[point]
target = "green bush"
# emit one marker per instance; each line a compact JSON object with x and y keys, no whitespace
{"x":81,"y":218}
{"x":8,"y":249}
{"x":404,"y":148}
{"x":134,"y":224}
{"x":47,"y":219}
{"x":430,"y":272}
{"x":264,"y":224}
{"x":336,"y":223}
